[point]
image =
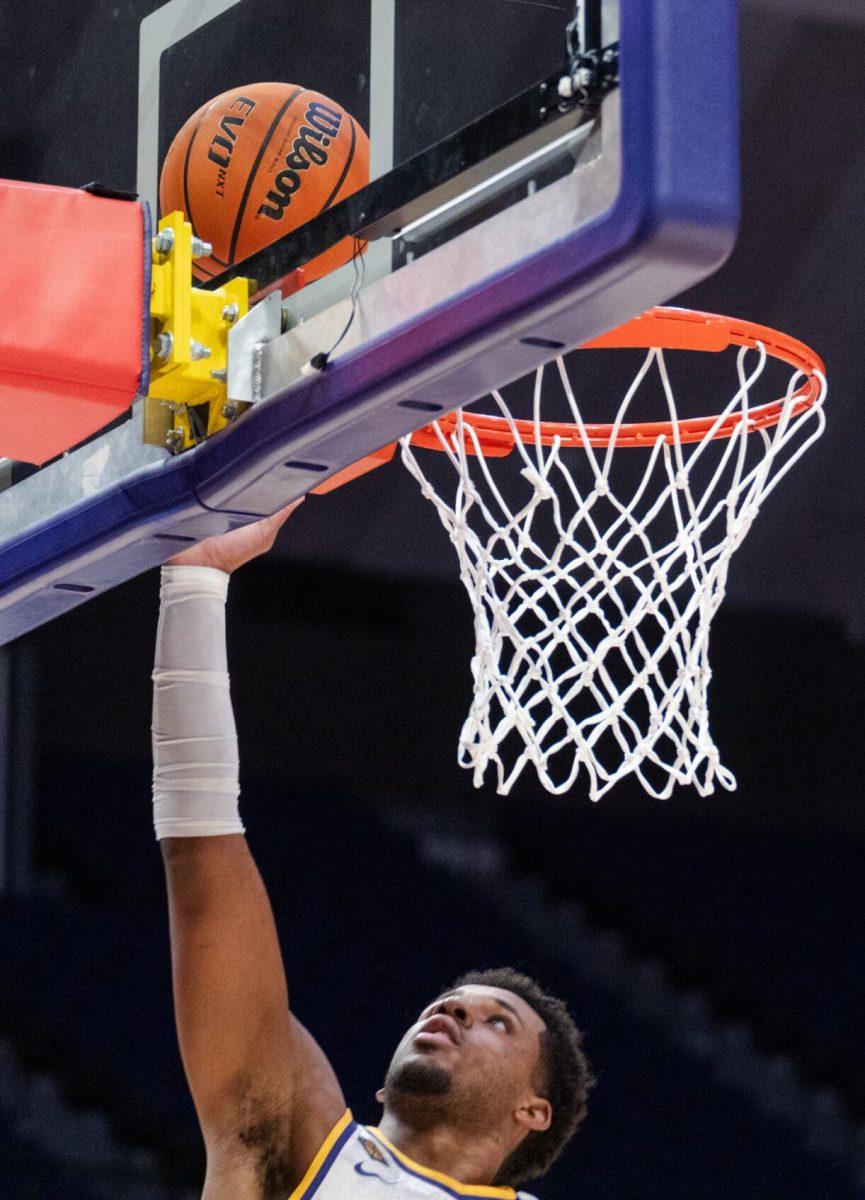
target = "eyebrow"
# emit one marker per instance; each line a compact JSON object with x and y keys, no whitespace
{"x":509,"y":1007}
{"x":495,"y":1000}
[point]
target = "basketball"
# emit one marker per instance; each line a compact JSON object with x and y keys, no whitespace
{"x":257,"y":162}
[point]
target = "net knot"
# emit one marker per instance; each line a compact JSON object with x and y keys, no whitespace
{"x":747,"y":516}
{"x":602,"y":486}
{"x":539,"y":482}
{"x":681,"y":480}
{"x":525,"y":727}
{"x":595,"y":607}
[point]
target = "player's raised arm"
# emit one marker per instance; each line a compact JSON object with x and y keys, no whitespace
{"x":265,"y":1094}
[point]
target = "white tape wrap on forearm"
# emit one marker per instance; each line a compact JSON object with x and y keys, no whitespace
{"x":195,"y":759}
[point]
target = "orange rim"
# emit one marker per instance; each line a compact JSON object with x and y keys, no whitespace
{"x":664,"y":329}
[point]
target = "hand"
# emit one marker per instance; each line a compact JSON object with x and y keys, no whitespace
{"x":231,"y":550}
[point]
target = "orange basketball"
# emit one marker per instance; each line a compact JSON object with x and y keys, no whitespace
{"x":257,"y":162}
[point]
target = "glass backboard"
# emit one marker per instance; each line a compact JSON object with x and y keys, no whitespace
{"x":412,"y":72}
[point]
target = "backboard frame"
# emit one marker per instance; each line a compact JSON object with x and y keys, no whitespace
{"x":425,"y":339}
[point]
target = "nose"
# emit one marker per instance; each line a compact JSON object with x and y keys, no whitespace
{"x":452,"y":1006}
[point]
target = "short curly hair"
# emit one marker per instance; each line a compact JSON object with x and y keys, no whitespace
{"x":565,"y":1075}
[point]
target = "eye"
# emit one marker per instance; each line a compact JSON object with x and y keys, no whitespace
{"x":502,"y":1021}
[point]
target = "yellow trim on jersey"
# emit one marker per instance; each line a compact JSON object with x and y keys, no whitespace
{"x":464,"y":1189}
{"x":316,"y":1164}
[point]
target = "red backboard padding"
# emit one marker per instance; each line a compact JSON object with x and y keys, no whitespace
{"x":74,"y":325}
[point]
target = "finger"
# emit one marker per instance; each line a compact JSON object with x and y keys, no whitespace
{"x":276,"y":522}
{"x":284,"y":513}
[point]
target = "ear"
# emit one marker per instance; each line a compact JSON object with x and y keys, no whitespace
{"x":380,"y":1095}
{"x":535,"y":1115}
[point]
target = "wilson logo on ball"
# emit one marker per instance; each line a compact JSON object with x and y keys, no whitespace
{"x":308,"y":149}
{"x":227,"y":139}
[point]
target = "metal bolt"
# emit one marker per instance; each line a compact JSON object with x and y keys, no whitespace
{"x":566,"y":87}
{"x":163,"y":243}
{"x":197,"y":351}
{"x":174,"y":440}
{"x":219,"y":376}
{"x":163,"y":347}
{"x":230,"y":313}
{"x":543,"y":88}
{"x":201,"y":249}
{"x":609,"y":56}
{"x":229,"y":410}
{"x":542,"y":114}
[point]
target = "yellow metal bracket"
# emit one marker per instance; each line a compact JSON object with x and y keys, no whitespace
{"x":188,"y":397}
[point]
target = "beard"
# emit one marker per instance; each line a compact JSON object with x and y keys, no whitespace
{"x":423,"y":1094}
{"x":418,"y":1091}
{"x":417,"y":1078}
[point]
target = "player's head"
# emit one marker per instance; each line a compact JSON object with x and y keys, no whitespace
{"x":501,"y":1059}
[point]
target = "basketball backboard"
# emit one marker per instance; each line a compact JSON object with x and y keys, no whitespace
{"x":539,"y":226}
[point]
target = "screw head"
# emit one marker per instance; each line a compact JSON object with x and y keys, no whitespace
{"x":201,"y":249}
{"x":163,"y":347}
{"x":163,"y":243}
{"x":229,"y":410}
{"x":197,"y":351}
{"x":230,"y":313}
{"x":174,"y":440}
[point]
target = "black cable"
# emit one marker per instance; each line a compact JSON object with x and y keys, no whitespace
{"x":575,"y":45}
{"x":319,"y":361}
{"x":585,"y":44}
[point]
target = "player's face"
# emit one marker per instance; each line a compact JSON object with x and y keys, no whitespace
{"x":474,"y":1050}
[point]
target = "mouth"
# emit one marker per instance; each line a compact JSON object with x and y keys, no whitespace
{"x":440,"y":1030}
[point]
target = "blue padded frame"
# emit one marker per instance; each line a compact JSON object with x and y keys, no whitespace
{"x":673,"y":223}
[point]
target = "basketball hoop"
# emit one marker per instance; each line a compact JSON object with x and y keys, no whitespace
{"x":594,"y":586}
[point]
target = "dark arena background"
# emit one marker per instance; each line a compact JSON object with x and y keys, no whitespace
{"x":713,"y":949}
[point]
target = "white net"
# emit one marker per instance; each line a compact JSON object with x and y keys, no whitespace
{"x":594,"y":584}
